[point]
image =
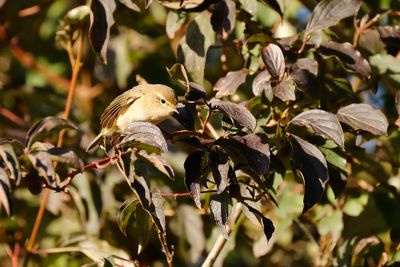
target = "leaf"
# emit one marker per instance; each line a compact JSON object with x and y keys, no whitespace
{"x":285,"y":90}
{"x":397,"y":102}
{"x":34,"y":182}
{"x":193,"y":174}
{"x":195,"y":92}
{"x":274,"y":60}
{"x":308,"y":64}
{"x":219,"y":208}
{"x":229,"y":84}
{"x":337,"y":180}
{"x":101,"y":21}
{"x":137,"y":5}
{"x":390,"y":35}
{"x":252,"y":149}
{"x":184,"y":116}
{"x":323,"y":123}
{"x":66,"y":156}
{"x":5,"y":192}
{"x":188,"y":5}
{"x":364,"y":117}
{"x":161,"y":164}
{"x":127,"y":210}
{"x":42,"y":162}
{"x":157,"y":212}
{"x":388,"y":66}
{"x":175,"y":21}
{"x":223,"y":17}
{"x":47,"y":126}
{"x":10,"y":159}
{"x":275,"y":6}
{"x":350,"y":57}
{"x":194,"y":45}
{"x":262,"y":84}
{"x":219,"y":165}
{"x":144,"y":136}
{"x":266,"y":224}
{"x":329,"y":12}
{"x":314,"y":170}
{"x":237,"y":113}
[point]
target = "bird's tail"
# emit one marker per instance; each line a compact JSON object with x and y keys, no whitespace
{"x":95,"y":142}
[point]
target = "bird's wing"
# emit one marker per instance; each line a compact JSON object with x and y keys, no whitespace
{"x":118,"y":106}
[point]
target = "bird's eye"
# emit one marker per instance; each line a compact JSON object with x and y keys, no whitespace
{"x":162,"y":101}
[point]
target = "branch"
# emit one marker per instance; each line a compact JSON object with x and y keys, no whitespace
{"x":221,"y":241}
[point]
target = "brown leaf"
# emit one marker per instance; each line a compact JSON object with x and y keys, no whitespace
{"x":193,"y":174}
{"x":274,"y":60}
{"x":229,"y":84}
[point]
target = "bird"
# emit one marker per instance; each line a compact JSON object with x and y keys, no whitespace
{"x":142,"y":103}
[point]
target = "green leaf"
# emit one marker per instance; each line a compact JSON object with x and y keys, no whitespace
{"x":388,"y":66}
{"x":323,"y":123}
{"x":175,"y":21}
{"x":364,"y":117}
{"x":45,"y":127}
{"x":101,"y":21}
{"x":314,"y":170}
{"x":328,"y":13}
{"x":125,"y":214}
{"x":194,"y":45}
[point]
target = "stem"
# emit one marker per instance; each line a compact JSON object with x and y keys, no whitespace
{"x":221,"y":241}
{"x":12,"y":117}
{"x":71,"y":90}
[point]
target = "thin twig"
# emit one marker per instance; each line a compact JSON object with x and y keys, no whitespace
{"x":12,"y":117}
{"x":71,"y":90}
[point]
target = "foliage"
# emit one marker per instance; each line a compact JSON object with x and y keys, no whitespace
{"x":285,"y":148}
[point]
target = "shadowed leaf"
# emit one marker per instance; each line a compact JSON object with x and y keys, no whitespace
{"x":308,"y":64}
{"x":223,"y":18}
{"x":193,"y":174}
{"x":337,"y":180}
{"x":350,"y":57}
{"x":274,"y":60}
{"x":101,"y":21}
{"x":390,"y":35}
{"x":275,"y":6}
{"x":252,"y":149}
{"x":364,"y":117}
{"x":127,"y":210}
{"x":10,"y":159}
{"x":47,"y":126}
{"x":313,"y":168}
{"x":323,"y":123}
{"x":144,"y":136}
{"x":161,"y":164}
{"x":329,"y":12}
{"x":66,"y":156}
{"x":184,"y":116}
{"x":219,"y":208}
{"x":229,"y":84}
{"x":5,"y":192}
{"x":42,"y":162}
{"x":195,"y":92}
{"x":237,"y":113}
{"x":266,"y":224}
{"x":219,"y":165}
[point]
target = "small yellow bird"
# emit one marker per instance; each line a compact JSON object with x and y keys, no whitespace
{"x":147,"y":102}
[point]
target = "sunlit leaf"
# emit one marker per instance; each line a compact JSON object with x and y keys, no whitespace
{"x":193,"y":174}
{"x":229,"y":84}
{"x":388,"y":67}
{"x":323,"y":123}
{"x":175,"y":21}
{"x":285,"y":90}
{"x":144,"y":135}
{"x":178,"y":73}
{"x":350,"y":57}
{"x":237,"y":113}
{"x":329,"y":12}
{"x":101,"y":21}
{"x":308,"y":64}
{"x":364,"y":117}
{"x":47,"y":126}
{"x":314,"y":170}
{"x":219,"y":207}
{"x":219,"y":165}
{"x":10,"y":159}
{"x":5,"y":192}
{"x":274,"y":60}
{"x":262,"y":84}
{"x":194,"y":45}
